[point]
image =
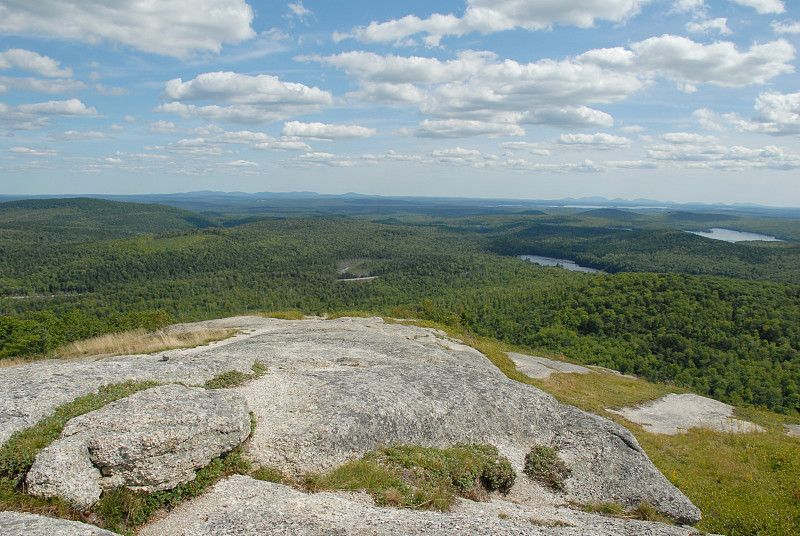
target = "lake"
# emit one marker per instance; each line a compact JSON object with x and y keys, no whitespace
{"x":729,"y":235}
{"x":563,"y":263}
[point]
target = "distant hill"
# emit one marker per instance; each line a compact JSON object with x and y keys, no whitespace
{"x":83,"y":219}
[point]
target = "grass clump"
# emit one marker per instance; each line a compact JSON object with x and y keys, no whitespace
{"x":235,"y":378}
{"x":122,"y":510}
{"x":268,"y":473}
{"x":283,"y":315}
{"x":421,"y":477}
{"x":543,"y":465}
{"x":139,"y":341}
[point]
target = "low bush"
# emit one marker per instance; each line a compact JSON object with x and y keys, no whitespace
{"x":542,"y":465}
{"x":421,"y":477}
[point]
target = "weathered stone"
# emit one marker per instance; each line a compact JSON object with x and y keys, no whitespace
{"x":541,"y":367}
{"x":340,"y":388}
{"x":17,"y":524}
{"x":150,"y":441}
{"x":677,"y":413}
{"x":241,"y":506}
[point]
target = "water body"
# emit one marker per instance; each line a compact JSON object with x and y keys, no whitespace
{"x":563,"y":263}
{"x":729,"y":235}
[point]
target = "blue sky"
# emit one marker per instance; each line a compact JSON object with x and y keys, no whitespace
{"x":675,"y":100}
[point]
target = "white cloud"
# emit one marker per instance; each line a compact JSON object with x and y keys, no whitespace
{"x":242,"y":163}
{"x":32,"y":62}
{"x":255,"y":99}
{"x":74,"y":135}
{"x":282,"y":145}
{"x":460,"y":156}
{"x":111,"y":91}
{"x":687,"y":137}
{"x":25,"y":151}
{"x":568,"y":117}
{"x":461,"y":128}
{"x":601,"y":140}
{"x":777,"y":115}
{"x":707,"y":26}
{"x":488,"y":16}
{"x":318,"y":159}
{"x":684,"y":60}
{"x":691,"y":6}
{"x":42,"y":86}
{"x":175,"y":28}
{"x":299,"y":11}
{"x":71,"y":107}
{"x":539,"y":149}
{"x":763,"y":6}
{"x":322,"y":131}
{"x":786,"y":27}
{"x":38,"y":115}
{"x":238,"y":88}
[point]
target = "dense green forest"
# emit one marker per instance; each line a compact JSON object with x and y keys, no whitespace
{"x":722,"y":319}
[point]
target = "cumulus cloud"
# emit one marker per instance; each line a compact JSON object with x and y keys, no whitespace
{"x":38,"y":115}
{"x":42,"y":86}
{"x":253,"y":99}
{"x":684,"y":60}
{"x":26,"y":151}
{"x":763,"y":6}
{"x":322,"y":131}
{"x":32,"y":62}
{"x":601,"y":140}
{"x":461,"y":128}
{"x":568,"y":117}
{"x":176,"y":28}
{"x":710,"y":25}
{"x":777,"y":114}
{"x":65,"y":108}
{"x":687,"y":137}
{"x":488,"y":16}
{"x":298,"y":11}
{"x":74,"y":135}
{"x":477,"y":87}
{"x":242,"y":163}
{"x":786,"y":27}
{"x":460,"y":156}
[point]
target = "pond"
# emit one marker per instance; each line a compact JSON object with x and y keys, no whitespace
{"x":729,"y":235}
{"x":562,"y":263}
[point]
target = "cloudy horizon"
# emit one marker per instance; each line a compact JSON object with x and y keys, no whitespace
{"x":674,"y":100}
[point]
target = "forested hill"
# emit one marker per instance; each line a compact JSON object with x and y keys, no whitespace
{"x":84,"y":219}
{"x":736,"y":338}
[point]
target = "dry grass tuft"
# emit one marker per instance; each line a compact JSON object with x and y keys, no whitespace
{"x":138,"y":341}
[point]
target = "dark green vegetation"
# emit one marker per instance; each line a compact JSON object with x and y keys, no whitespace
{"x":733,"y":334}
{"x":543,"y":465}
{"x":421,"y":477}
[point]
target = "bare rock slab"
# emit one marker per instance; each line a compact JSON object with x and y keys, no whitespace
{"x":150,"y":441}
{"x":676,"y":413}
{"x":242,"y":506}
{"x":542,"y":367}
{"x":17,"y":524}
{"x":339,"y":388}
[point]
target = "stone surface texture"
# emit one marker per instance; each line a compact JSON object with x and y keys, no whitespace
{"x":338,"y":388}
{"x":16,"y":524}
{"x":242,"y":506}
{"x":677,"y":413}
{"x":542,"y":367}
{"x":150,"y":441}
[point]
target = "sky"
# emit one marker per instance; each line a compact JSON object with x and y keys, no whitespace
{"x":672,"y":100}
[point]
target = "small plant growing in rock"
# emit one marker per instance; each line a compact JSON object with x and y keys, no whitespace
{"x":542,"y":465}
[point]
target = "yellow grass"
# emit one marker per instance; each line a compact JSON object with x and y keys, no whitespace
{"x":138,"y":341}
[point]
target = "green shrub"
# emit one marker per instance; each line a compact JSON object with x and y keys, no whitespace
{"x":542,"y":465}
{"x":421,"y":477}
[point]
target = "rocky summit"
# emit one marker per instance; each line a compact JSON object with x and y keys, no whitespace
{"x":334,"y":390}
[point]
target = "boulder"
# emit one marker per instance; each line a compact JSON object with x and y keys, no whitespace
{"x":150,"y":441}
{"x":17,"y":524}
